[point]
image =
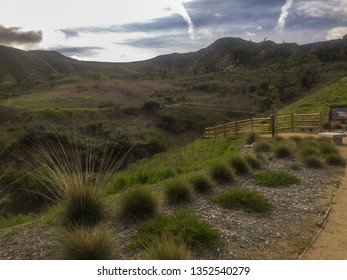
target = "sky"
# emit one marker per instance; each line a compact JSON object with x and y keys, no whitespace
{"x":133,"y":30}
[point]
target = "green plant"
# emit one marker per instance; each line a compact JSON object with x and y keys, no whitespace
{"x":283,"y":150}
{"x":167,"y":248}
{"x":137,"y":203}
{"x":201,"y":183}
{"x":83,"y":207}
{"x":239,"y":164}
{"x":84,"y":244}
{"x":249,"y":200}
{"x":183,"y":226}
{"x":312,"y":161}
{"x":177,"y":191}
{"x":251,"y":138}
{"x":221,"y":173}
{"x":275,"y":179}
{"x":262,"y":147}
{"x":253,"y":161}
{"x":335,"y":159}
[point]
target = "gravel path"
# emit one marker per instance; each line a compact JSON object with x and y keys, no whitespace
{"x":331,"y":243}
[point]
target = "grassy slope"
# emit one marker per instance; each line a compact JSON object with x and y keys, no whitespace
{"x":320,"y":101}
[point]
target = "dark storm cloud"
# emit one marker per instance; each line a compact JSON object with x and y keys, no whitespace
{"x":14,"y":35}
{"x":78,"y":51}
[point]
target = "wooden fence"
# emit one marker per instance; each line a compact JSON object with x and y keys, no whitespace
{"x":286,"y":123}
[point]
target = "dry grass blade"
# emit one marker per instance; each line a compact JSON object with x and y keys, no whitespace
{"x":66,"y":163}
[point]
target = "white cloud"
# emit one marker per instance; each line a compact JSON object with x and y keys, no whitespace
{"x":251,"y":34}
{"x":317,"y":9}
{"x":283,"y":16}
{"x":336,"y":33}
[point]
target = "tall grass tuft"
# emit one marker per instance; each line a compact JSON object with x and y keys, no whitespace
{"x":177,"y":191}
{"x":166,"y":247}
{"x":262,"y":147}
{"x":275,"y":179}
{"x":221,"y":173}
{"x":239,"y":164}
{"x":84,"y":244}
{"x":283,"y":150}
{"x":201,"y":183}
{"x":78,"y":173}
{"x":84,"y":207}
{"x":252,"y":161}
{"x":137,"y":203}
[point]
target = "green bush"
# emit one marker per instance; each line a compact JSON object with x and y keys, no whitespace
{"x":253,"y":161}
{"x":251,"y":138}
{"x":312,"y":161}
{"x":83,"y":207}
{"x":335,"y":159}
{"x":167,"y":248}
{"x":84,"y":244}
{"x":201,"y":183}
{"x":249,"y":200}
{"x":137,"y":203}
{"x":177,"y":191}
{"x":221,"y":173}
{"x":183,"y":226}
{"x":275,"y":179}
{"x":283,"y":150}
{"x":262,"y":147}
{"x":239,"y":164}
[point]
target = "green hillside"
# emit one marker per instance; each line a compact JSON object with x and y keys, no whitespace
{"x":334,"y":94}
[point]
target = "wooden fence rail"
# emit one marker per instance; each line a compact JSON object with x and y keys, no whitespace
{"x":291,"y":123}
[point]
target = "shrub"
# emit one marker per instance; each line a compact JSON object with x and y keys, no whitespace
{"x":137,"y":203}
{"x":167,"y":248}
{"x":178,"y":191}
{"x":183,"y":226}
{"x":239,"y":164}
{"x":262,"y":147}
{"x":283,"y":150}
{"x":251,"y":138}
{"x":335,"y":159}
{"x":221,"y":173}
{"x":311,"y":161}
{"x":249,"y":200}
{"x":84,"y":244}
{"x":83,"y":206}
{"x":201,"y":183}
{"x":275,"y":179}
{"x":253,"y":161}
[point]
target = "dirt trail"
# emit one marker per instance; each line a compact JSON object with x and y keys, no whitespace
{"x":331,"y":243}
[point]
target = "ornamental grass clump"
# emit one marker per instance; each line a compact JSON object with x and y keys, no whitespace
{"x":221,"y":173}
{"x":137,"y":203}
{"x":178,"y":191}
{"x":166,"y":247}
{"x":239,"y":164}
{"x":83,"y":244}
{"x":201,"y":183}
{"x":183,"y":226}
{"x":249,"y":200}
{"x":262,"y":147}
{"x":275,"y":179}
{"x":253,"y":162}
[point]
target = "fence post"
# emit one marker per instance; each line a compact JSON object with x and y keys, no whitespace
{"x":292,"y":121}
{"x":320,"y":122}
{"x":215,"y":132}
{"x":236,"y":129}
{"x":252,"y":129}
{"x":224,"y":131}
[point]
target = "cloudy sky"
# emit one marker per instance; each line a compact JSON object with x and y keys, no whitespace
{"x":129,"y":30}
